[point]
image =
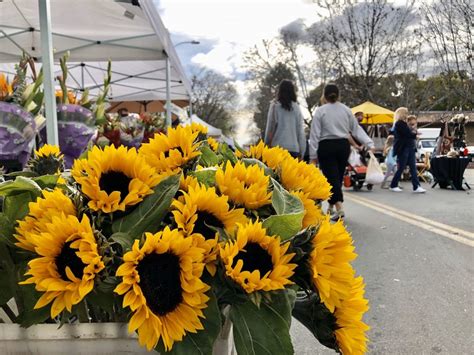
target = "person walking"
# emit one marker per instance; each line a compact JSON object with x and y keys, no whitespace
{"x":390,"y":160}
{"x":332,"y":124}
{"x":285,"y":127}
{"x":404,"y":148}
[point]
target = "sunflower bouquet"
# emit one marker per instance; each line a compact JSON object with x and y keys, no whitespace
{"x":188,"y":242}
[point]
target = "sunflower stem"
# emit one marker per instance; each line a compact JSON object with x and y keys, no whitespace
{"x":82,"y":312}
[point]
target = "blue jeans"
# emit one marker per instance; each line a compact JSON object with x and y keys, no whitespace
{"x":406,"y":157}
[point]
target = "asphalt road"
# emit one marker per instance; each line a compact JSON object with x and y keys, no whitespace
{"x":419,"y":275}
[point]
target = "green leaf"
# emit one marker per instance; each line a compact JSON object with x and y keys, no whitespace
{"x":124,"y":239}
{"x":283,"y":202}
{"x":227,"y":153}
{"x":16,"y":207}
{"x":31,"y":316}
{"x":265,"y":330}
{"x":285,"y":226}
{"x":18,"y":186}
{"x":150,"y":212}
{"x":201,"y":342}
{"x":253,"y":161}
{"x":7,"y":282}
{"x":290,"y":212}
{"x":205,"y":176}
{"x":208,"y":157}
{"x":47,"y":181}
{"x":317,"y":319}
{"x":6,"y":230}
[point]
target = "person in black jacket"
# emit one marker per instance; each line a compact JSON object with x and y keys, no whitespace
{"x":404,"y":148}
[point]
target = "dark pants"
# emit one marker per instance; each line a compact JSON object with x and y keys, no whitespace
{"x":404,"y":158}
{"x":332,"y":156}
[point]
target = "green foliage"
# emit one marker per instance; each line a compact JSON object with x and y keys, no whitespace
{"x":264,"y":330}
{"x":149,"y":213}
{"x":206,"y":176}
{"x":289,"y":213}
{"x":314,"y":315}
{"x":202,"y":341}
{"x":208,"y":157}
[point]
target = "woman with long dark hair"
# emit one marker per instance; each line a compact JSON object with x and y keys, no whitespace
{"x":329,"y":146}
{"x":285,"y":121}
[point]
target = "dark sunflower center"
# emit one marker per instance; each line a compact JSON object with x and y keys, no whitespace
{"x":160,"y":282}
{"x":254,"y":258}
{"x":115,"y":181}
{"x":203,"y":223}
{"x":179,"y":149}
{"x":68,"y":257}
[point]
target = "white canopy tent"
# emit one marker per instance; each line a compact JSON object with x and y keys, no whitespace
{"x":130,"y":33}
{"x":211,"y":130}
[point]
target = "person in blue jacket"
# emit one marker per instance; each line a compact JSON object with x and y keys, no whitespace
{"x":404,"y":148}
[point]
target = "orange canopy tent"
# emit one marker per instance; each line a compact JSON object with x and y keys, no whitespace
{"x":373,"y":114}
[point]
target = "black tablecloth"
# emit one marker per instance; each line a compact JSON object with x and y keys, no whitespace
{"x":449,"y":171}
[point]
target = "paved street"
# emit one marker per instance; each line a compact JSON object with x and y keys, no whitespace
{"x":419,"y":273}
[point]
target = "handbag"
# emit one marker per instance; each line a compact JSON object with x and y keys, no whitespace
{"x":374,"y":173}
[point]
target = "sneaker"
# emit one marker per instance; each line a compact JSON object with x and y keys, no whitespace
{"x":396,"y":189}
{"x":338,"y":215}
{"x":419,"y":190}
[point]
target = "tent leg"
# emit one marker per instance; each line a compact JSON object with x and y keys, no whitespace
{"x":168,"y":92}
{"x":191,"y":109}
{"x":48,"y":70}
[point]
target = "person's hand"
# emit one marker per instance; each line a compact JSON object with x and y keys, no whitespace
{"x":372,"y":150}
{"x":314,"y":161}
{"x":360,"y":148}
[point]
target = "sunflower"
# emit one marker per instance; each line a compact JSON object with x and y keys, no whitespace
{"x":312,"y":213}
{"x":114,"y":178}
{"x":187,"y":181}
{"x":350,"y":333}
{"x":256,"y":261}
{"x":299,"y":176}
{"x":67,"y":265}
{"x":162,"y":285}
{"x":199,"y":128}
{"x":40,"y":214}
{"x":330,"y":260}
{"x":171,"y":151}
{"x":246,"y":186}
{"x":48,"y":150}
{"x":272,"y":157}
{"x":213,"y":143}
{"x":200,"y":210}
{"x":47,"y":160}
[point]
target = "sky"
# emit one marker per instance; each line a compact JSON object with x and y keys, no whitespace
{"x":226,"y":28}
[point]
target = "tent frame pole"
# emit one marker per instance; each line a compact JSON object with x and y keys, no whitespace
{"x":168,"y":92}
{"x":48,"y":71}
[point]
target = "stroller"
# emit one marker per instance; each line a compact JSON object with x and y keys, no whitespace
{"x":356,"y":170}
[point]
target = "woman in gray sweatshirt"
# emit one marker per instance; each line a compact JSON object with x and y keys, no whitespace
{"x":329,"y":145}
{"x":285,"y":126}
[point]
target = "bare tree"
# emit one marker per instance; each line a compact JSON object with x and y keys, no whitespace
{"x":448,"y":29}
{"x":215,"y":99}
{"x":365,"y":40}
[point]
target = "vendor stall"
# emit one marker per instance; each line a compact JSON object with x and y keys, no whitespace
{"x":376,"y":121}
{"x":129,"y":33}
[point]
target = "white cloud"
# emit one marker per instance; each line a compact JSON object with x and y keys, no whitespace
{"x":224,"y":58}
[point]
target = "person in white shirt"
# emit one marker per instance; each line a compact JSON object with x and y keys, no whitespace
{"x":332,"y":124}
